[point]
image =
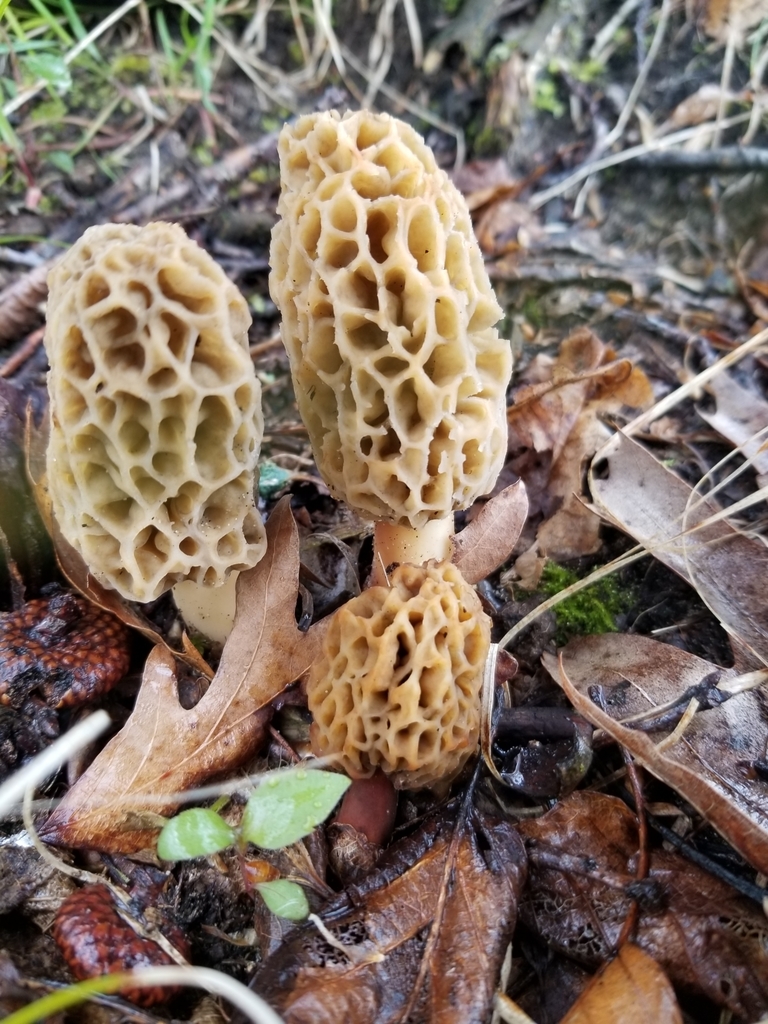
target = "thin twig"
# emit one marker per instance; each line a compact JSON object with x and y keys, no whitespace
{"x":28,"y":347}
{"x":725,"y":159}
{"x":668,"y":141}
{"x":618,"y":130}
{"x":49,"y":761}
{"x":610,"y":28}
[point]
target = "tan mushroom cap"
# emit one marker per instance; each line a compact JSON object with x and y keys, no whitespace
{"x":388,"y":317}
{"x":155,"y":411}
{"x":398,"y":683}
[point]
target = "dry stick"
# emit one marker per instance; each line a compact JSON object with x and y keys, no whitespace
{"x":759,"y":101}
{"x":541,"y":198}
{"x":611,"y":27}
{"x":726,"y":159}
{"x":725,"y":81}
{"x":28,"y":347}
{"x":618,"y":130}
{"x":414,"y":31}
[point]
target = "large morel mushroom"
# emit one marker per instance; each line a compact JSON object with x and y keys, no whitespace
{"x":155,"y":411}
{"x":388,"y":317}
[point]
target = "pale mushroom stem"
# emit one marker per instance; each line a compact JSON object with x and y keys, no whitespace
{"x":394,"y":544}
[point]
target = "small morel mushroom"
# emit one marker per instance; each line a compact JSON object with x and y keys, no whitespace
{"x":388,"y":318}
{"x":155,"y":411}
{"x":398,"y":683}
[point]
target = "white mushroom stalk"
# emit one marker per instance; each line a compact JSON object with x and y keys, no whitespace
{"x":155,"y":412}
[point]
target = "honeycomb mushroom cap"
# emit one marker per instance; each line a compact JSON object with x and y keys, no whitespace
{"x":398,"y":683}
{"x":388,"y":317}
{"x":155,"y":411}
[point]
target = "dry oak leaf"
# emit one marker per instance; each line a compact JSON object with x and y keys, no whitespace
{"x":632,"y":989}
{"x":740,"y":415}
{"x":709,"y":765}
{"x":428,"y":929}
{"x":164,"y":749}
{"x":555,"y":427}
{"x":488,"y":540}
{"x":635,"y":492}
{"x":581,"y":883}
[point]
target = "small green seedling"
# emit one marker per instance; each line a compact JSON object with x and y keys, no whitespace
{"x":284,"y":808}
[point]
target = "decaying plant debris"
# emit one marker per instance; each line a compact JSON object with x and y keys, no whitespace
{"x":605,"y":855}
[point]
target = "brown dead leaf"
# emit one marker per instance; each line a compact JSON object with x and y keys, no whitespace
{"x":723,"y":17}
{"x":752,"y":276}
{"x":448,"y":894}
{"x":489,"y":539}
{"x":706,"y":938}
{"x":555,"y":427}
{"x":632,"y":989}
{"x":635,"y":492}
{"x":163,"y":748}
{"x":741,"y":416}
{"x":709,"y":766}
{"x":700,"y":106}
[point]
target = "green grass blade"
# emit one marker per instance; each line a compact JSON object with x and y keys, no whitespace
{"x":51,"y":22}
{"x":73,"y":995}
{"x":78,"y":28}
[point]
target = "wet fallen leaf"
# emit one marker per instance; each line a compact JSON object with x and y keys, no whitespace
{"x":632,"y":989}
{"x":709,"y":765}
{"x":634,"y":491}
{"x":705,"y":937}
{"x":428,"y":928}
{"x":489,"y":539}
{"x":555,"y":426}
{"x":165,"y":749}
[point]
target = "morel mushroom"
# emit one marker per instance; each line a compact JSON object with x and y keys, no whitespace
{"x":400,"y":376}
{"x":388,"y":318}
{"x":155,"y":411}
{"x":398,"y":683}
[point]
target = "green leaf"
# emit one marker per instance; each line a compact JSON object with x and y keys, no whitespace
{"x":271,"y":479}
{"x":284,"y":898}
{"x":194,"y":833}
{"x":288,"y":805}
{"x":50,"y":67}
{"x":62,"y":160}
